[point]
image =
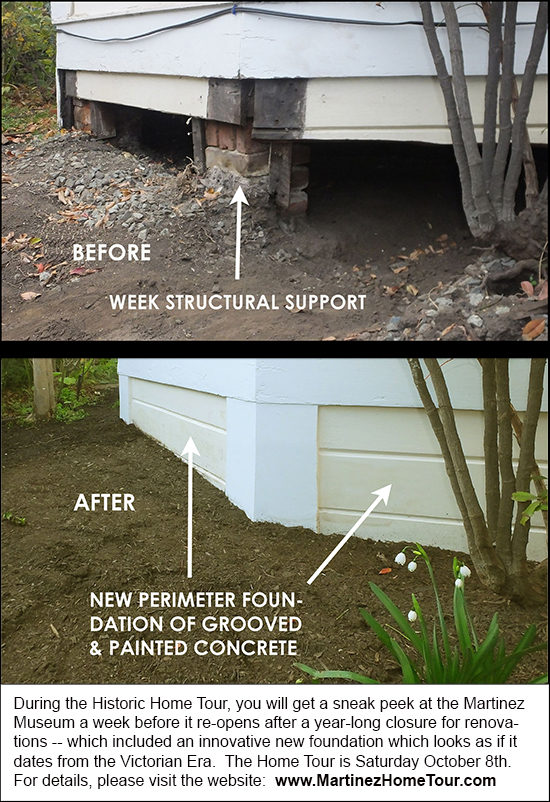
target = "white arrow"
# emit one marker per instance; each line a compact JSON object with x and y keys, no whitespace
{"x":239,"y":198}
{"x":383,"y":493}
{"x":190,"y":449}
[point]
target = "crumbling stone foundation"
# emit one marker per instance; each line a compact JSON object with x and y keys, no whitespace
{"x":232,"y":147}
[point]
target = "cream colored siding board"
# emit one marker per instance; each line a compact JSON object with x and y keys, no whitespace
{"x":363,"y":448}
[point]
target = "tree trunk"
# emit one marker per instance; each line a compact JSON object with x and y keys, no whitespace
{"x":526,"y":236}
{"x":44,"y":396}
{"x":490,"y":181}
{"x":497,"y":549}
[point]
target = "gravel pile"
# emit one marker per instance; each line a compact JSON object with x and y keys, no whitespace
{"x":483,"y":303}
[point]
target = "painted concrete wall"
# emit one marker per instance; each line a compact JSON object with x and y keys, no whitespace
{"x":306,"y":441}
{"x":363,"y":448}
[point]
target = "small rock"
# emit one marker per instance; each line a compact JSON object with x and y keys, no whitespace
{"x":44,"y":277}
{"x":164,"y":233}
{"x":475,"y":320}
{"x":501,"y":310}
{"x":393,"y":325}
{"x":475,"y":298}
{"x":137,"y":216}
{"x":142,"y":234}
{"x":425,"y":328}
{"x":216,"y":288}
{"x":443,"y":303}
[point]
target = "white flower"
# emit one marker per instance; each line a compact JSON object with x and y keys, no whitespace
{"x":412,"y":616}
{"x":465,"y":571}
{"x":412,"y":566}
{"x":400,"y":559}
{"x":459,"y":583}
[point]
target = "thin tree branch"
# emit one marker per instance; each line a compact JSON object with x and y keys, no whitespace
{"x":493,"y":13}
{"x":538,"y":479}
{"x":490,"y":445}
{"x":438,"y":430}
{"x":484,"y":213}
{"x":526,"y":463}
{"x":519,"y":126}
{"x":452,"y":113}
{"x":506,"y":508}
{"x":505,"y":113}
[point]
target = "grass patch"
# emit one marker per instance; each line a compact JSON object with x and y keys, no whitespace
{"x":25,"y":112}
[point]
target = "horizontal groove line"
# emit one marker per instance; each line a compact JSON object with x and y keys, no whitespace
{"x":394,"y":515}
{"x":333,"y":452}
{"x":404,"y":517}
{"x":214,"y":478}
{"x":179,"y":415}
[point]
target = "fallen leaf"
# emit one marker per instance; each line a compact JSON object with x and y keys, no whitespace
{"x":448,"y":329}
{"x":373,"y":275}
{"x":30,"y":296}
{"x":40,"y":267}
{"x":411,"y":289}
{"x":385,"y":571}
{"x":533,"y":329}
{"x":82,"y":271}
{"x":442,"y":238}
{"x":392,"y":290}
{"x":527,"y":287}
{"x":397,"y":270}
{"x":54,"y":630}
{"x":328,"y":338}
{"x":416,"y":254}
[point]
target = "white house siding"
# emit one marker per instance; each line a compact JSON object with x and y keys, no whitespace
{"x":306,"y":441}
{"x":364,"y":448}
{"x":364,"y":82}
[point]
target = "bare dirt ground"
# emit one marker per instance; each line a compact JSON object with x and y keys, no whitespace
{"x":52,"y":564}
{"x":384,"y":221}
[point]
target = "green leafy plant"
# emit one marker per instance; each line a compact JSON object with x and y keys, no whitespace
{"x":28,"y":46}
{"x":538,"y":503}
{"x":470,"y":660}
{"x":17,"y":520}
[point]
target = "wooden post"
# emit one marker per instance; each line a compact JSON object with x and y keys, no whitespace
{"x":44,"y":397}
{"x":199,"y":144}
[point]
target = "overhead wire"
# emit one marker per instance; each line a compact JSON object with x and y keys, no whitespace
{"x":236,"y":8}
